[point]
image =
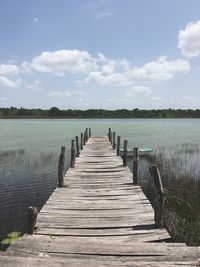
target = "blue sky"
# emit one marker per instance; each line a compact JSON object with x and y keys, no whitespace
{"x":108,"y":54}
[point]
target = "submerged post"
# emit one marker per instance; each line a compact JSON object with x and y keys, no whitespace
{"x":81,"y":141}
{"x":32,"y":216}
{"x":77,"y":147}
{"x":90,"y":132}
{"x":125,"y":153}
{"x":159,"y":195}
{"x":135,"y":164}
{"x":118,"y":145}
{"x":114,"y":141}
{"x":61,"y":167}
{"x":73,"y":153}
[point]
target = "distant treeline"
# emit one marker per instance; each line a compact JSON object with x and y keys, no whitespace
{"x":55,"y":112}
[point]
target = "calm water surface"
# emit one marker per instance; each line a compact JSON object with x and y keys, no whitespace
{"x":29,"y":151}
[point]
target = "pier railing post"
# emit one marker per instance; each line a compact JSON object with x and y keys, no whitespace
{"x":86,"y":134}
{"x":109,"y":134}
{"x":73,"y":153}
{"x":111,"y":137}
{"x":118,"y":145}
{"x":135,"y":164}
{"x":61,"y":167}
{"x":90,"y":132}
{"x":81,"y":141}
{"x":32,"y":216}
{"x":114,"y":141}
{"x":125,"y":153}
{"x":159,"y":195}
{"x":77,"y":147}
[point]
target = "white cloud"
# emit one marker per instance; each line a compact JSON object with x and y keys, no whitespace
{"x":143,"y":90}
{"x":63,"y":61}
{"x":8,"y":70}
{"x":189,"y":40}
{"x":59,"y":94}
{"x":35,"y":86}
{"x":6,"y":82}
{"x":103,"y":15}
{"x":159,"y":70}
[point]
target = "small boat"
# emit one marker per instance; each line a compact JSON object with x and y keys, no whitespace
{"x":142,"y":151}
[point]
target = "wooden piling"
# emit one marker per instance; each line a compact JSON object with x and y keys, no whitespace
{"x":77,"y":147}
{"x":114,"y":141}
{"x":73,"y":153}
{"x":81,"y":145}
{"x":61,"y":167}
{"x":86,"y":134}
{"x":135,"y":164}
{"x":125,"y":153}
{"x":90,"y":133}
{"x":32,"y":216}
{"x":118,"y":145}
{"x":109,"y":134}
{"x":159,"y":195}
{"x":84,"y":138}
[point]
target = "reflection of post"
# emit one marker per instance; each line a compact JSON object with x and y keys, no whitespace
{"x":125,"y":153}
{"x":77,"y":147}
{"x":32,"y":216}
{"x":135,"y":164}
{"x":61,"y":167}
{"x":114,"y":141}
{"x":159,"y":195}
{"x":73,"y":153}
{"x":118,"y":145}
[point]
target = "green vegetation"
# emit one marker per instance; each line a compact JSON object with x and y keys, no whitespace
{"x":55,"y":112}
{"x":9,"y":239}
{"x":182,"y":189}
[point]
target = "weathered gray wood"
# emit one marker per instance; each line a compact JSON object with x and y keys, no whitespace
{"x":77,"y":147}
{"x":118,"y":145}
{"x":73,"y":153}
{"x":135,"y":164}
{"x":159,"y":194}
{"x":125,"y":153}
{"x":32,"y":215}
{"x":61,"y":167}
{"x":114,"y":141}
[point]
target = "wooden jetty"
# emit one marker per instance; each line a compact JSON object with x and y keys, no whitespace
{"x":98,"y":217}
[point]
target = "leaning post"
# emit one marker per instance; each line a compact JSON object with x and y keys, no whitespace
{"x":118,"y":145}
{"x":159,"y":195}
{"x":125,"y":153}
{"x":135,"y":164}
{"x":61,"y":167}
{"x":32,"y":216}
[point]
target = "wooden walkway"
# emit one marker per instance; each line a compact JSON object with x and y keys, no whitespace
{"x":98,"y":219}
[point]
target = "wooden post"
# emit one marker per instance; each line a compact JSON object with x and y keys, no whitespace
{"x":73,"y":153}
{"x":84,"y":138}
{"x":86,"y":134}
{"x":135,"y":164}
{"x":159,"y":195}
{"x":61,"y":167}
{"x":77,"y":147}
{"x":111,"y":137}
{"x":125,"y":153}
{"x":118,"y":145}
{"x":114,"y":141}
{"x":109,"y":134}
{"x":81,"y":141}
{"x":90,"y":132}
{"x":32,"y":216}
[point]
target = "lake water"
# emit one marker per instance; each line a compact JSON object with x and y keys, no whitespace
{"x":29,"y":151}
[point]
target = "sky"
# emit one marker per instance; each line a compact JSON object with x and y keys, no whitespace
{"x":105,"y":54}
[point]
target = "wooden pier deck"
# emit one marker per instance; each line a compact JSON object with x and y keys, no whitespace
{"x":99,"y":218}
